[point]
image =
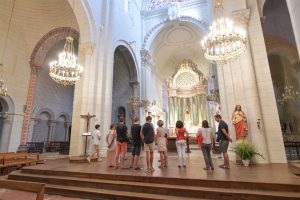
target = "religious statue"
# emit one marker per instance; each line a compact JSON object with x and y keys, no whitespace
{"x":239,"y":121}
{"x":187,"y":120}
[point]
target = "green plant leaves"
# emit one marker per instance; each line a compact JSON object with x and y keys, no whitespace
{"x":245,"y":150}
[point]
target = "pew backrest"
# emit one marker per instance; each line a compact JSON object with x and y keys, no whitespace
{"x":38,"y":188}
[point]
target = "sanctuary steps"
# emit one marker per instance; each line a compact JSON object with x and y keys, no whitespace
{"x":122,"y":186}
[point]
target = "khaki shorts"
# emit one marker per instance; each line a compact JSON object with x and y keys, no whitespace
{"x":149,"y":147}
{"x":224,"y":146}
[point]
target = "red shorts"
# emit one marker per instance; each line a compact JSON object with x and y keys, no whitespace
{"x":121,"y":147}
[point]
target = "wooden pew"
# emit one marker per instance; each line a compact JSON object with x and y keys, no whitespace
{"x":38,"y":188}
{"x":9,"y":160}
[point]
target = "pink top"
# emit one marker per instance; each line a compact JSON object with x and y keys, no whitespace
{"x":180,"y":133}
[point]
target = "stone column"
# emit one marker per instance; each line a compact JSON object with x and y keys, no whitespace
{"x":145,"y":76}
{"x":51,"y":130}
{"x":294,"y":9}
{"x":134,"y":89}
{"x":29,"y":105}
{"x":67,"y":127}
{"x":270,"y":118}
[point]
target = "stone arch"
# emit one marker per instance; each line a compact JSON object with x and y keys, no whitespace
{"x":282,"y":54}
{"x":46,"y":110}
{"x":61,"y":130}
{"x":129,"y":61}
{"x":42,"y":125}
{"x":125,"y":81}
{"x":87,"y":25}
{"x":65,"y":115}
{"x":6,"y":121}
{"x":128,"y":52}
{"x":47,"y":41}
{"x":279,"y":46}
{"x":150,"y":36}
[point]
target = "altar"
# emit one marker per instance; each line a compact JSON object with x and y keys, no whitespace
{"x":187,"y":91}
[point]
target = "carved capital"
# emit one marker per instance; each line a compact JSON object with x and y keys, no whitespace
{"x":134,"y":83}
{"x":52,"y":123}
{"x":241,"y":17}
{"x":146,"y":57}
{"x":87,"y":48}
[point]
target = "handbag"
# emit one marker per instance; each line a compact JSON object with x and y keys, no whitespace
{"x":200,"y":140}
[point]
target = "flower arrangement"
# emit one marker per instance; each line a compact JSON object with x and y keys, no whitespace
{"x":245,"y":150}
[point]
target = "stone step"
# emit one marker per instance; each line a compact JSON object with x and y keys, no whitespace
{"x":178,"y":190}
{"x":168,"y":180}
{"x":101,"y":194}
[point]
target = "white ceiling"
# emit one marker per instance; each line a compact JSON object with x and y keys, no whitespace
{"x":177,"y":41}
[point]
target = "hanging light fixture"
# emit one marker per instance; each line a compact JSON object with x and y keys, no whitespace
{"x":3,"y":88}
{"x":224,"y":42}
{"x":289,"y":94}
{"x":65,"y":70}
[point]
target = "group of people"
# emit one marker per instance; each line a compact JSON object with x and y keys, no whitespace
{"x":142,"y":137}
{"x":145,"y":137}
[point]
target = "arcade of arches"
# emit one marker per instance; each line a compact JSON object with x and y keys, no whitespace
{"x":143,"y":57}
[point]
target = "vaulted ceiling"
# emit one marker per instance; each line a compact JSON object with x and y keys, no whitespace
{"x":178,"y":41}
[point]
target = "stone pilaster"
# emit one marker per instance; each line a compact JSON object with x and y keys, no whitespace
{"x":251,"y":93}
{"x":146,"y":75}
{"x":83,"y":98}
{"x":29,"y":105}
{"x":270,"y":118}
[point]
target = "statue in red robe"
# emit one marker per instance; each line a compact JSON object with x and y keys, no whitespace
{"x":239,"y":120}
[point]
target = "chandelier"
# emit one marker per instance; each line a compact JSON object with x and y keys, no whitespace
{"x":135,"y":102}
{"x":289,"y":94}
{"x":213,"y":95}
{"x":66,"y":71}
{"x":224,"y":42}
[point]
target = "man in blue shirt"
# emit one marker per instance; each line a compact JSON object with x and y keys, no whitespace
{"x":224,"y":139}
{"x":147,"y":135}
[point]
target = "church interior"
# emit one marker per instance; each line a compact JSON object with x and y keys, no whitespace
{"x":67,"y":65}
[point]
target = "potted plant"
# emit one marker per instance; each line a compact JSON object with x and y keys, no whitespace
{"x":245,"y":151}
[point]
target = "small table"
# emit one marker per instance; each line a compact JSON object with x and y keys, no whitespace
{"x":172,"y":144}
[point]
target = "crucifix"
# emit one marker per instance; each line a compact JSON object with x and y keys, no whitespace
{"x":88,"y":120}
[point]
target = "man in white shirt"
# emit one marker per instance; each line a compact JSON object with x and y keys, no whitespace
{"x":96,"y":138}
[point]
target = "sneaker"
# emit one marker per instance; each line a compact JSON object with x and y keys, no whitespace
{"x":152,"y":169}
{"x":148,"y":171}
{"x":138,"y":168}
